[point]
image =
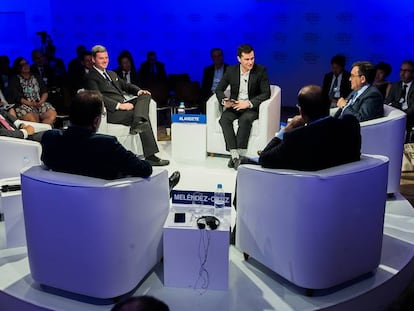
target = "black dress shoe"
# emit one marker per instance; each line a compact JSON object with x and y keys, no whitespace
{"x":236,"y":163}
{"x":230,"y":164}
{"x":174,"y":179}
{"x":156,"y":161}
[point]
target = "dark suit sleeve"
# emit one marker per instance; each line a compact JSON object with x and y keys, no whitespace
{"x":92,"y":82}
{"x":15,"y":91}
{"x":273,"y":154}
{"x":370,"y":107}
{"x":131,"y":164}
{"x":392,"y":99}
{"x":8,"y":133}
{"x":223,"y":84}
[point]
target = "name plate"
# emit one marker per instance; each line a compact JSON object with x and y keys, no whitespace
{"x":197,"y":197}
{"x":189,"y":118}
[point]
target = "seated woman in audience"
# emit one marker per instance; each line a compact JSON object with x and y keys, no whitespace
{"x":383,"y":70}
{"x":29,"y":94}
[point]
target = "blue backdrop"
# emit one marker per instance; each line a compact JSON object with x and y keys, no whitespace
{"x":294,"y":39}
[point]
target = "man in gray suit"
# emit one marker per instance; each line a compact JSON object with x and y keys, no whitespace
{"x":365,"y":102}
{"x":249,"y":87}
{"x":120,"y":106}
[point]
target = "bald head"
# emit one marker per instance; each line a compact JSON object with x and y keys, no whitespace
{"x":313,"y":103}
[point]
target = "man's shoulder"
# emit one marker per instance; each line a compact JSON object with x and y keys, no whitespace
{"x":50,"y":136}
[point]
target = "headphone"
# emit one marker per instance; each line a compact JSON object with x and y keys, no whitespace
{"x":210,"y":221}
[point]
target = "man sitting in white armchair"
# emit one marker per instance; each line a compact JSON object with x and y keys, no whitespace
{"x":249,"y":87}
{"x":80,"y":150}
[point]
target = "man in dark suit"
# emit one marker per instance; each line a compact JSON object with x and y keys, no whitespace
{"x":313,"y":140}
{"x":120,"y":109}
{"x":249,"y":87}
{"x":9,"y":129}
{"x":401,"y":95}
{"x":212,"y":75}
{"x":152,"y":71}
{"x":77,"y":74}
{"x":365,"y":102}
{"x":125,"y":69}
{"x":336,"y":83}
{"x":79,"y":150}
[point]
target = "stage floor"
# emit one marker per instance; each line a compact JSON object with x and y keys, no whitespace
{"x":251,"y":285}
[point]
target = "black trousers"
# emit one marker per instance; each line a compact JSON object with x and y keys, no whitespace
{"x":139,"y":113}
{"x":240,"y":139}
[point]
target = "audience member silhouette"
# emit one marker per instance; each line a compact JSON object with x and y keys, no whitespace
{"x":77,"y":73}
{"x":125,"y":70}
{"x":383,"y":71}
{"x":29,"y":94}
{"x":5,"y":72}
{"x":401,"y":94}
{"x":41,"y":68}
{"x":75,"y":65}
{"x":152,"y":71}
{"x":336,"y":83}
{"x":212,"y":75}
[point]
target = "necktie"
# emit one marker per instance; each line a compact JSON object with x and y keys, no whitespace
{"x":334,"y":88}
{"x":403,"y":93}
{"x":403,"y":102}
{"x":126,"y":76}
{"x":5,"y":123}
{"x":106,"y":76}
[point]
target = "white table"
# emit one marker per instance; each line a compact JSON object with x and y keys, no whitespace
{"x":188,"y":141}
{"x":186,"y":248}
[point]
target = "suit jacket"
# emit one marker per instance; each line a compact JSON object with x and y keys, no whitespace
{"x":369,"y":105}
{"x":147,"y":77}
{"x":133,"y":75}
{"x":10,"y":120}
{"x":207,"y":82}
{"x":395,"y":94}
{"x":326,"y":143}
{"x":112,"y":92}
{"x":344,"y":88}
{"x":258,"y":88}
{"x":81,"y":151}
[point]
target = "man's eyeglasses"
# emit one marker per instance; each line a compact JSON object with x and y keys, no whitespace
{"x":405,"y":70}
{"x":354,"y":76}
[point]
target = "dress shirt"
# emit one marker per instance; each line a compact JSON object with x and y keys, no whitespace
{"x":336,"y":92}
{"x":218,"y":74}
{"x":404,"y":105}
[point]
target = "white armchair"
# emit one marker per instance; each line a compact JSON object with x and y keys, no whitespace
{"x":385,"y":136}
{"x":130,"y":142}
{"x":91,"y":236}
{"x":263,"y":129}
{"x":17,"y":154}
{"x":316,"y":229}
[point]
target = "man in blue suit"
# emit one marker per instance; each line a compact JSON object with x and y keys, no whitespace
{"x":365,"y":102}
